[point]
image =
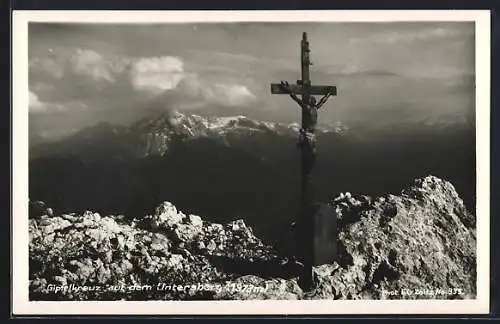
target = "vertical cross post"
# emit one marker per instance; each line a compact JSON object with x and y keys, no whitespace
{"x":307,"y":142}
{"x":306,"y":221}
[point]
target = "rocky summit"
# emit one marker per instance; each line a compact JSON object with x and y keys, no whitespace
{"x":418,"y":244}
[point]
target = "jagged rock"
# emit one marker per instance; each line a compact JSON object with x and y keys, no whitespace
{"x":49,"y":212}
{"x":70,"y":217}
{"x":51,"y":225}
{"x":175,"y":261}
{"x":159,"y":243}
{"x":166,"y":214}
{"x":187,"y":232}
{"x":424,"y":238}
{"x":195,"y":220}
{"x":237,"y":225}
{"x":118,"y":242}
{"x":60,"y":280}
{"x":200,"y":246}
{"x":211,"y":245}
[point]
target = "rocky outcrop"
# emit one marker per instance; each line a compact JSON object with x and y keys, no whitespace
{"x":420,"y":244}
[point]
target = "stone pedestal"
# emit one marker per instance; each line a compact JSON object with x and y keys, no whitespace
{"x":325,"y":234}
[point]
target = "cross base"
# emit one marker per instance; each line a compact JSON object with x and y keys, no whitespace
{"x":320,"y":224}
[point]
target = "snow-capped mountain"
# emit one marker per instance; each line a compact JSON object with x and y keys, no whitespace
{"x":193,"y":125}
{"x":153,"y":136}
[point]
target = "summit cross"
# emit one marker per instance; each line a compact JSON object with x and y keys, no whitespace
{"x":307,"y":143}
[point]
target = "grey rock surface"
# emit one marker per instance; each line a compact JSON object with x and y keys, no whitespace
{"x":422,"y":239}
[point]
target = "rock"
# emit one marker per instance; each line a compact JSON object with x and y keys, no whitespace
{"x":108,"y":257}
{"x":118,"y":242}
{"x":154,"y":223}
{"x":108,"y":224}
{"x":423,"y":238}
{"x":83,"y":270}
{"x":211,"y":245}
{"x":60,"y":280}
{"x":200,"y":246}
{"x":51,"y":225}
{"x":175,"y":262}
{"x":187,"y":232}
{"x":70,"y":217}
{"x":167,"y":215}
{"x":159,"y":243}
{"x":195,"y":220}
{"x":96,"y":217}
{"x":49,"y":212}
{"x":103,"y":275}
{"x":38,"y":285}
{"x":237,"y":225}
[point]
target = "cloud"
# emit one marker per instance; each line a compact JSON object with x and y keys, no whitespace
{"x":65,"y":78}
{"x":42,"y":87}
{"x":229,"y":95}
{"x":157,"y":74}
{"x":191,"y":85}
{"x":166,"y":76}
{"x":34,"y":103}
{"x":92,"y":64}
{"x":398,"y":36}
{"x":39,"y":107}
{"x":226,"y":94}
{"x":47,"y":66}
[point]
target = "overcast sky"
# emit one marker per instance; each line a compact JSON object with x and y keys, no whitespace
{"x":386,"y":73}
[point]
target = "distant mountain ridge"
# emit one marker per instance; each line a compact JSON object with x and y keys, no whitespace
{"x":153,"y":136}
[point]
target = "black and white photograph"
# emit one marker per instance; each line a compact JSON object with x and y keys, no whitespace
{"x":294,"y":160}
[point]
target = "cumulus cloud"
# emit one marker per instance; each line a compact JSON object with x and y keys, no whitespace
{"x":157,"y":74}
{"x":34,"y":103}
{"x":39,"y":107}
{"x":133,"y":82}
{"x":92,"y":64}
{"x":229,"y":95}
{"x":160,"y":75}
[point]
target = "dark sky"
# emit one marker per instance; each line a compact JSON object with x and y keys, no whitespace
{"x":386,"y":73}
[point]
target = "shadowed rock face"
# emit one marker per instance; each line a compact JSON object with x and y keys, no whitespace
{"x":423,"y":239}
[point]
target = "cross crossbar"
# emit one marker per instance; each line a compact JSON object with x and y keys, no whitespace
{"x":276,"y":88}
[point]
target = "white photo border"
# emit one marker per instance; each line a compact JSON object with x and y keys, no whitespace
{"x":19,"y":222}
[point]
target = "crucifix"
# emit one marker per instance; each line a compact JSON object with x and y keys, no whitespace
{"x":307,"y":143}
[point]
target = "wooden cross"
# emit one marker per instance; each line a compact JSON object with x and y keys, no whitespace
{"x":307,"y":142}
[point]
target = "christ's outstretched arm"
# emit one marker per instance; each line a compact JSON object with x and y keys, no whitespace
{"x":295,"y":98}
{"x":286,"y":86}
{"x":323,"y":100}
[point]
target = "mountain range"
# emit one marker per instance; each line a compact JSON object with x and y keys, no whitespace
{"x":153,"y":136}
